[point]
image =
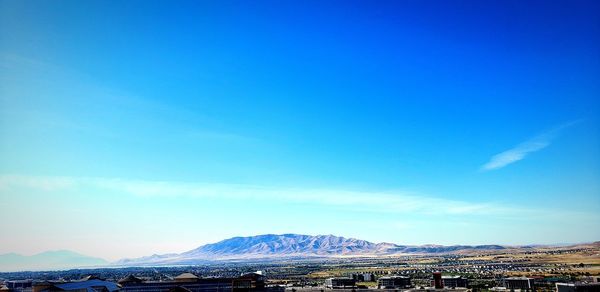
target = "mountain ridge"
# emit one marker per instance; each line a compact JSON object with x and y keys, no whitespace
{"x":48,"y":260}
{"x":259,"y":247}
{"x":290,"y":245}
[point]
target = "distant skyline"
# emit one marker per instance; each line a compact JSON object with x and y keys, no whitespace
{"x":133,"y":128}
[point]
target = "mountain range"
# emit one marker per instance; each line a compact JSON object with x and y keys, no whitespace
{"x":49,"y":260}
{"x":273,"y":246}
{"x":260,"y":247}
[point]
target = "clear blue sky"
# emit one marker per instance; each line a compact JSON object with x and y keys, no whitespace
{"x":136,"y":127}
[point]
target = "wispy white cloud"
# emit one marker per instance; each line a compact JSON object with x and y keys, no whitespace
{"x":44,"y":183}
{"x":364,"y":201}
{"x":519,"y":152}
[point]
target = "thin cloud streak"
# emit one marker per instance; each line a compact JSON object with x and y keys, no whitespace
{"x":397,"y":206}
{"x":389,"y":202}
{"x":519,"y":152}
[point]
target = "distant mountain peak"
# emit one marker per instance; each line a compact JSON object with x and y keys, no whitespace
{"x":48,"y":260}
{"x":287,"y":245}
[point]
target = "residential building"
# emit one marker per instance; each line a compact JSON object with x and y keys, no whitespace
{"x":578,"y":287}
{"x":522,"y":283}
{"x":455,"y":281}
{"x":394,"y":282}
{"x":88,"y":284}
{"x":340,"y":282}
{"x":19,"y":285}
{"x":193,"y":283}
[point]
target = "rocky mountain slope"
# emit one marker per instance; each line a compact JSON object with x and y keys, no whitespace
{"x":292,"y":245}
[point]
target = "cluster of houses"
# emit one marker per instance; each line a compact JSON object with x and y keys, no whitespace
{"x":440,"y":282}
{"x":256,"y":282}
{"x":185,"y":282}
{"x":400,"y":283}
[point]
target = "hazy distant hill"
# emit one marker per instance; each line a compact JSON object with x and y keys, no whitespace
{"x":293,"y":245}
{"x":60,"y":259}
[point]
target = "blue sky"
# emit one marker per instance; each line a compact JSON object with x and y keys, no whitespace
{"x":164,"y":125}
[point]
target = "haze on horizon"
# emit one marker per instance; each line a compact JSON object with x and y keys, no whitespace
{"x":134,"y":128}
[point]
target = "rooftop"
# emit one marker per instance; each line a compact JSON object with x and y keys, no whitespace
{"x":88,"y":285}
{"x":451,"y":277}
{"x":394,"y":277}
{"x":130,"y":279}
{"x":186,"y":276}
